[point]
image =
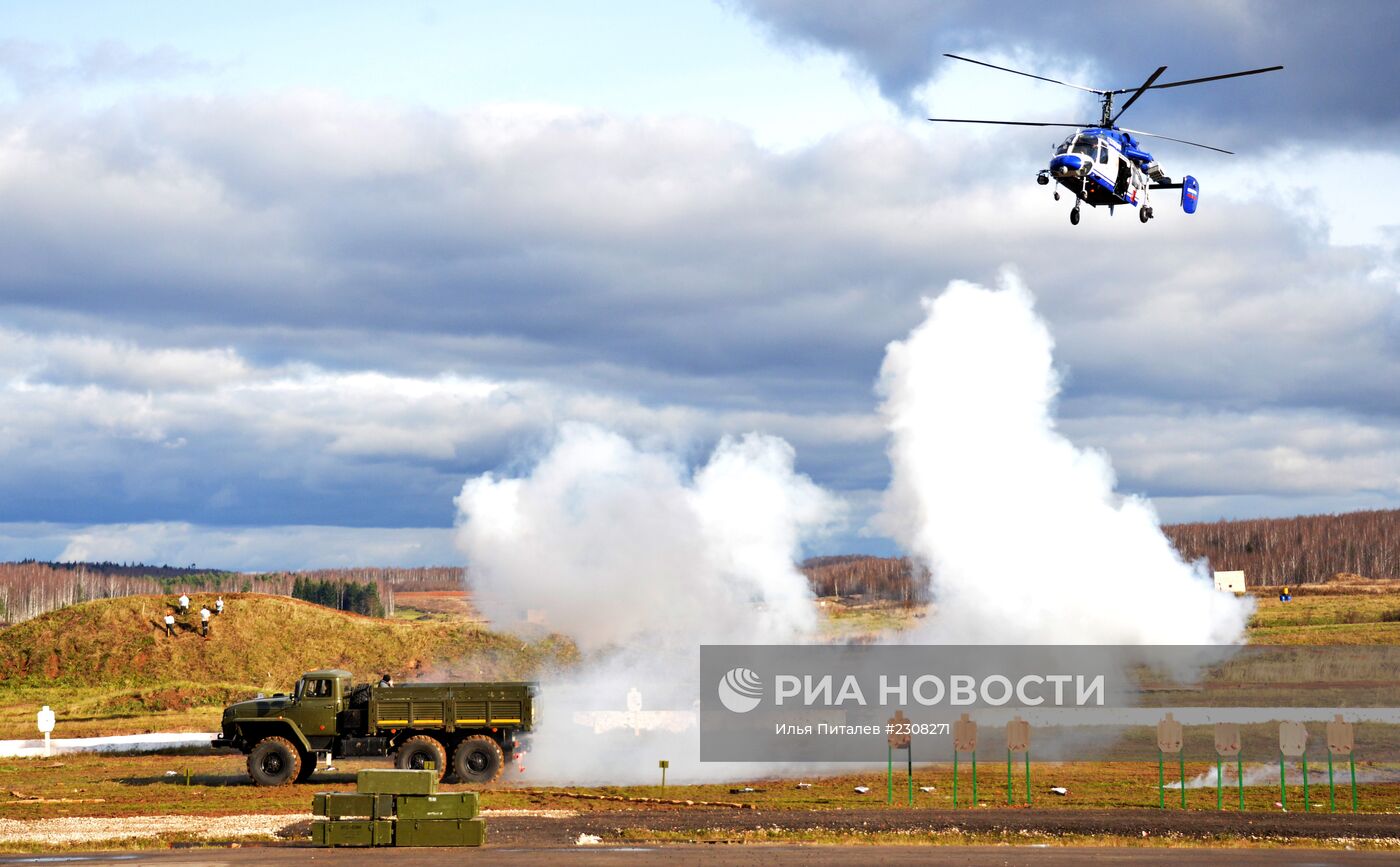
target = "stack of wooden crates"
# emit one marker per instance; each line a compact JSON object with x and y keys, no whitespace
{"x":397,"y":808}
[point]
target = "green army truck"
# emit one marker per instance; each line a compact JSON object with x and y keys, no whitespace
{"x":465,"y":729}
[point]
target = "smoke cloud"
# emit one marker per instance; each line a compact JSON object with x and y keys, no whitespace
{"x":617,"y":546}
{"x":1025,"y":538}
{"x":641,"y":561}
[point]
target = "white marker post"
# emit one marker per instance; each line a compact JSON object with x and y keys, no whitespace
{"x":46,"y":721}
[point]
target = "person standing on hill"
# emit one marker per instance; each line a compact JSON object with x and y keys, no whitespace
{"x":204,"y":621}
{"x":169,"y":624}
{"x":184,"y":604}
{"x":219,"y":605}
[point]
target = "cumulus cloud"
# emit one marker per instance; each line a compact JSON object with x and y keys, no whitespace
{"x":35,"y":67}
{"x":307,"y":309}
{"x":1333,"y":61}
{"x":101,"y":429}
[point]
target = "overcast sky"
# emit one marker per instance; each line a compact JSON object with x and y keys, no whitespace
{"x":276,"y":278}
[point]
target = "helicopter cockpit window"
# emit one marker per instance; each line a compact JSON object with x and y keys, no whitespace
{"x":1087,"y":145}
{"x":1103,"y":153}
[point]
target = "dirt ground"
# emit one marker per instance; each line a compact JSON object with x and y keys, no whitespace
{"x":563,"y":828}
{"x":717,"y":823}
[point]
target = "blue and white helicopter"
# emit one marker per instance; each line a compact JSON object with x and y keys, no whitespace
{"x":1103,"y":163}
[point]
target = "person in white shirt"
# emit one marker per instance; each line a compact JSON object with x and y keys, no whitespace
{"x":219,"y":605}
{"x":169,"y":624}
{"x":184,"y":604}
{"x":204,"y":621}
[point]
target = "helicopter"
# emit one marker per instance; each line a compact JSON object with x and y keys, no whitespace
{"x":1103,"y":163}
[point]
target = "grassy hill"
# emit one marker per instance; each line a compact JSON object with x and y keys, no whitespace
{"x":110,"y":658}
{"x":266,"y":641}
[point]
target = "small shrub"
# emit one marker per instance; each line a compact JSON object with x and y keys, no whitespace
{"x":1391,"y":616}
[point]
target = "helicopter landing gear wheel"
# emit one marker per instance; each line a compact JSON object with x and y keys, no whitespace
{"x":1144,"y":214}
{"x":1074,"y":216}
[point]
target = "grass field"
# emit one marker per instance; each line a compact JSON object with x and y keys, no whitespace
{"x":90,"y":785}
{"x":68,"y":659}
{"x":106,"y":669}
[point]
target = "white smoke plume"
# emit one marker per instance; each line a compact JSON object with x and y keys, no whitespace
{"x":1025,"y":538}
{"x":641,"y":561}
{"x":613,"y":545}
{"x":1267,"y":775}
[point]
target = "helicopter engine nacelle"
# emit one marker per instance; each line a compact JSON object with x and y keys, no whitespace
{"x":1190,"y":194}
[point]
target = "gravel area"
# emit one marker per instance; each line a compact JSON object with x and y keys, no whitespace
{"x":91,"y":829}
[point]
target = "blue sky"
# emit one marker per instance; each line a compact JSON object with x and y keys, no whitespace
{"x":276,"y":279}
{"x":626,"y":57}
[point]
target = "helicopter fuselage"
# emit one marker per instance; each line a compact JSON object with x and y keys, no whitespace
{"x":1103,"y":166}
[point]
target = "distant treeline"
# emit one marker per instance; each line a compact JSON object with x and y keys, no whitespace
{"x":1271,"y":551}
{"x":30,"y":588}
{"x":354,"y":596}
{"x":1301,"y":550}
{"x":884,"y":578}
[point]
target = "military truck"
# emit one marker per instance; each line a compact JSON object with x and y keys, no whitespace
{"x":465,"y":729}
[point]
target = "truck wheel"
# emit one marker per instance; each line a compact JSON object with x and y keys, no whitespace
{"x":274,"y":762}
{"x":416,"y":752}
{"x":478,"y":759}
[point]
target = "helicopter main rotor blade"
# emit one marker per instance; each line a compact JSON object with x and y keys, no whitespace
{"x":1006,"y":122}
{"x":1026,"y":74}
{"x":1207,"y":78}
{"x":1139,"y":92}
{"x":1177,"y":140}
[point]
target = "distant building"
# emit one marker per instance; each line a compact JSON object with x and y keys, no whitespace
{"x":1229,"y":582}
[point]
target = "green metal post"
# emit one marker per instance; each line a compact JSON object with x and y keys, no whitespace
{"x":1028,"y":778}
{"x":1181,"y":757}
{"x":1161,"y":784}
{"x":1353,"y":782}
{"x":974,"y":778}
{"x":1219,"y":786}
{"x":1331,"y":786}
{"x":955,"y":778}
{"x":1282,"y":783}
{"x":1307,"y":802}
{"x":889,"y":775}
{"x":1239,"y":775}
{"x":1008,"y":777}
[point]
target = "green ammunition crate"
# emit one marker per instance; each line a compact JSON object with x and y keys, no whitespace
{"x":392,"y":782}
{"x":440,"y":832}
{"x":456,"y":805}
{"x":339,"y":805}
{"x":352,"y":832}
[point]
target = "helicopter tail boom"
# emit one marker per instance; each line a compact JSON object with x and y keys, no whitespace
{"x":1190,"y":192}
